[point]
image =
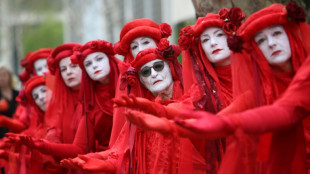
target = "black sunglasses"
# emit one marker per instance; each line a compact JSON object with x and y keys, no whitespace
{"x":157,"y":66}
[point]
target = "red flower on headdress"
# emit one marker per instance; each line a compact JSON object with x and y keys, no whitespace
{"x":234,"y":43}
{"x":229,"y":28}
{"x":236,"y":15}
{"x":186,"y":37}
{"x":118,"y":50}
{"x":76,"y":57}
{"x":223,"y":13}
{"x":295,"y":12}
{"x":93,"y":45}
{"x":165,"y":30}
{"x":128,"y":78}
{"x":163,"y":44}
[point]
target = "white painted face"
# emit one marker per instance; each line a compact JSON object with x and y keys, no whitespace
{"x":39,"y":96}
{"x":156,"y":76}
{"x":97,"y":66}
{"x":40,"y":66}
{"x":214,"y":44}
{"x":70,"y":73}
{"x":140,"y":44}
{"x":274,"y":44}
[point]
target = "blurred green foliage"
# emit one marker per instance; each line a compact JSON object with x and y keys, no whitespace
{"x":48,"y":34}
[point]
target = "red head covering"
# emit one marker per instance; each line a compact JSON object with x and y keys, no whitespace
{"x":87,"y":85}
{"x":29,"y":86}
{"x":24,"y":75}
{"x":251,"y":62}
{"x":63,"y":104}
{"x":164,"y":51}
{"x":42,"y":53}
{"x":255,"y":83}
{"x":196,"y":66}
{"x":139,"y":28}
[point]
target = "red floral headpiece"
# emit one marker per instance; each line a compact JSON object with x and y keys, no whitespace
{"x":62,"y":51}
{"x":139,"y":28}
{"x":42,"y":53}
{"x":228,"y":20}
{"x":80,"y":53}
{"x":276,"y":14}
{"x":164,"y":51}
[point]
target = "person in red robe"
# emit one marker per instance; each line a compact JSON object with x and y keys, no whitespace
{"x":154,"y":71}
{"x":135,"y":36}
{"x":99,"y":77}
{"x":263,"y":80}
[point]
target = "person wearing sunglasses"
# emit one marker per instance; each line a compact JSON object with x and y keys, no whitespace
{"x":154,"y":70}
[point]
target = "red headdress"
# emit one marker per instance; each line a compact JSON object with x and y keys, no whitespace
{"x":216,"y":82}
{"x":42,"y":53}
{"x":249,"y":61}
{"x":139,"y":28}
{"x":29,"y":86}
{"x":87,"y":85}
{"x":164,"y":51}
{"x":62,"y":106}
{"x":255,"y":83}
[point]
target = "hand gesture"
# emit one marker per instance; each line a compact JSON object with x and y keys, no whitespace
{"x":149,"y":122}
{"x":206,"y":123}
{"x":31,"y":142}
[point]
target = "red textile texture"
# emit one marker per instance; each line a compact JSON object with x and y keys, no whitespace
{"x":216,"y":82}
{"x":139,"y":151}
{"x":140,"y":28}
{"x":132,"y":30}
{"x":94,"y":128}
{"x":63,"y":107}
{"x":259,"y":85}
{"x":42,"y":53}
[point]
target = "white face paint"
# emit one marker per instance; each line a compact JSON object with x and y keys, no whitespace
{"x":140,"y":44}
{"x":274,"y":44}
{"x":214,"y":44}
{"x":71,"y":74}
{"x":97,"y":66}
{"x":158,"y":80}
{"x":40,"y":66}
{"x":39,"y":96}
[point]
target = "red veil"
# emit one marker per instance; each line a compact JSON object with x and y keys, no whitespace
{"x":255,"y":83}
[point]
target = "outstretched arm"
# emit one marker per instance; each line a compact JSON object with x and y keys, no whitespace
{"x":13,"y":124}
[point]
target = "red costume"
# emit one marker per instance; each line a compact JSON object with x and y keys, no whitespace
{"x":216,"y":82}
{"x":94,"y":128}
{"x":132,"y":30}
{"x":64,"y":109}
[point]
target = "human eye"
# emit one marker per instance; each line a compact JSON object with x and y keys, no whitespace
{"x":277,"y":33}
{"x":220,"y":34}
{"x":146,"y":42}
{"x":62,"y":69}
{"x":99,"y":59}
{"x":133,"y":46}
{"x":204,"y":40}
{"x":88,"y":63}
{"x":43,"y":89}
{"x":35,"y":96}
{"x":260,"y":40}
{"x":73,"y":65}
{"x":39,"y":69}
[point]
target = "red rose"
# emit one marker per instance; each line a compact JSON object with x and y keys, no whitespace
{"x":75,"y":57}
{"x":295,"y":12}
{"x":165,"y":30}
{"x":235,"y":43}
{"x":223,"y":13}
{"x":187,"y":31}
{"x":229,"y":28}
{"x":131,"y":80}
{"x":236,"y":15}
{"x":93,"y":45}
{"x":163,"y":44}
{"x":184,"y":42}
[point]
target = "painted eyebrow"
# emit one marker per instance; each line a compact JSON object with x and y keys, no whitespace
{"x":216,"y":31}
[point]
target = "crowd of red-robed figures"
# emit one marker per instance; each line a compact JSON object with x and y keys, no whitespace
{"x":238,"y":103}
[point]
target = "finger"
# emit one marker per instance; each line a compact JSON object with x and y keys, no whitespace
{"x":133,"y":98}
{"x":127,"y":100}
{"x":84,"y":158}
{"x":188,"y":124}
